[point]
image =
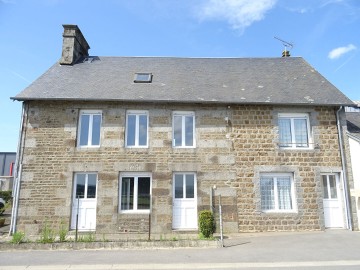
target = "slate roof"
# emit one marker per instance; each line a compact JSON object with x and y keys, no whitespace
{"x":289,"y":80}
{"x":353,"y":124}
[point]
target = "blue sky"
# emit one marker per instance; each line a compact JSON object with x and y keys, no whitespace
{"x":325,"y":32}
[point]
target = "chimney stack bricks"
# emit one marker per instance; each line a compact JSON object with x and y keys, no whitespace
{"x":74,"y":45}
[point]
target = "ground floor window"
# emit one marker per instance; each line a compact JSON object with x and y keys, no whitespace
{"x":135,"y":192}
{"x":277,"y":192}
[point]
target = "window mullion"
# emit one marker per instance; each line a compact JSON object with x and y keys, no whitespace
{"x":90,"y":129}
{"x":292,"y":131}
{"x":184,"y":186}
{"x":85,"y":186}
{"x":136,"y":130}
{"x":136,"y":179}
{"x":276,"y":194}
{"x":183,"y":118}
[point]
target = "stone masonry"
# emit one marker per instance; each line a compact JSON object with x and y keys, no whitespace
{"x":234,"y":144}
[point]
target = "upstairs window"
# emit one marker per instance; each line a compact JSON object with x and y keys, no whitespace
{"x":143,"y":78}
{"x":184,"y":129}
{"x":294,"y":131}
{"x":277,"y":193}
{"x":89,"y":129}
{"x":136,"y":129}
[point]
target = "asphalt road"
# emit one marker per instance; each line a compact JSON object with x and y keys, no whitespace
{"x":333,"y":249}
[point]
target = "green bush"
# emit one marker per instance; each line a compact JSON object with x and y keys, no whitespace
{"x":6,"y":195}
{"x":18,"y":237}
{"x":63,"y":231}
{"x":47,"y":235}
{"x":206,"y":223}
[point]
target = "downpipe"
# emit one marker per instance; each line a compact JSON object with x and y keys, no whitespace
{"x":343,"y":164}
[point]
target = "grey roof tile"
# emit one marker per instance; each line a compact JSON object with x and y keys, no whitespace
{"x":288,"y":80}
{"x":353,"y":124}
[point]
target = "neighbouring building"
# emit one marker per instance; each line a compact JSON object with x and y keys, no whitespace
{"x":353,"y":134}
{"x":129,"y":144}
{"x":7,"y":162}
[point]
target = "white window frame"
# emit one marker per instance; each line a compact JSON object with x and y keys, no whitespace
{"x":89,"y":141}
{"x":136,"y":176}
{"x":276,"y":209}
{"x":76,"y":175}
{"x":292,"y":117}
{"x":183,"y":174}
{"x":137,"y":114}
{"x":143,"y":77}
{"x":183,"y":114}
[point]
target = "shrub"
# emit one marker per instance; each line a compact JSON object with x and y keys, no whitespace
{"x":47,"y":235}
{"x":6,"y":195}
{"x":206,"y":223}
{"x":89,"y":237}
{"x":63,"y":231}
{"x":18,"y":237}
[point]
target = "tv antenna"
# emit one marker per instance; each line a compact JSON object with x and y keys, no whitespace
{"x":286,"y":44}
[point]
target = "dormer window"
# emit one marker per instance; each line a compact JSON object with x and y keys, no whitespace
{"x":143,"y":78}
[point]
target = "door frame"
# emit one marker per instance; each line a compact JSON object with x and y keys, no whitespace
{"x":195,"y":202}
{"x":340,"y":197}
{"x":74,"y":201}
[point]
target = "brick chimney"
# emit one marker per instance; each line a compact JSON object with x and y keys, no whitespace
{"x":74,"y":45}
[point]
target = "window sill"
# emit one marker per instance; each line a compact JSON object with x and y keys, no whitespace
{"x":134,"y":212}
{"x":88,"y":147}
{"x":279,"y":212}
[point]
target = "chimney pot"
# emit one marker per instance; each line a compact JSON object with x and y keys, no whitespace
{"x":74,"y":45}
{"x":285,"y":53}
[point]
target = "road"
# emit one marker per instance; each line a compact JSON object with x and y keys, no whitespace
{"x":335,"y":249}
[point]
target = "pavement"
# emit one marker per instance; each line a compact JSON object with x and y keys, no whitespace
{"x":332,"y":249}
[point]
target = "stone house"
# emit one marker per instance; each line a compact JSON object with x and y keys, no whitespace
{"x":132,"y":144}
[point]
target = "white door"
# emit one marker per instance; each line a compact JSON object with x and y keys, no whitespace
{"x":84,"y":202}
{"x":333,"y":211}
{"x":184,"y":201}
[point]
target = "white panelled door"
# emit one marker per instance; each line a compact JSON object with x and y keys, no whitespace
{"x":333,"y":211}
{"x":84,"y":202}
{"x":184,"y":201}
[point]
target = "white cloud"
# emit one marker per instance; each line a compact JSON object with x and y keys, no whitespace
{"x":338,"y":52}
{"x":238,"y":13}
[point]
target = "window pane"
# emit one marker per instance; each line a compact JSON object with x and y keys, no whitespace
{"x":284,"y":193}
{"x":301,"y":136}
{"x":127,"y":193}
{"x":143,"y":130}
{"x":332,"y":182}
{"x":325,"y":187}
{"x":80,"y":186}
{"x":285,"y":132}
{"x":91,"y":188}
{"x":189,"y":130}
{"x":130,"y":133}
{"x":177,"y":131}
{"x":143,"y":193}
{"x":179,"y":189}
{"x":189,"y":185}
{"x":84,"y":129}
{"x":267,"y":193}
{"x":95,"y":139}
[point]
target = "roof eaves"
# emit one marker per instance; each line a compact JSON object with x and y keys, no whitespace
{"x":200,"y":101}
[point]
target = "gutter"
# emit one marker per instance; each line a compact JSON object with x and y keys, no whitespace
{"x":343,"y":164}
{"x":352,"y":136}
{"x":18,"y":170}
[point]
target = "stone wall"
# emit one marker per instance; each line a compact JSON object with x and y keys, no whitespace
{"x":234,"y":144}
